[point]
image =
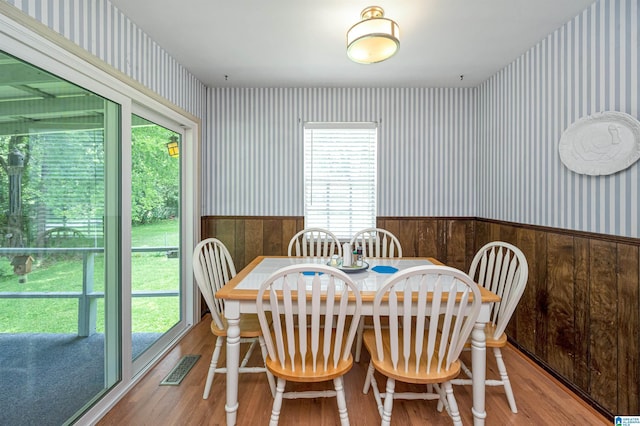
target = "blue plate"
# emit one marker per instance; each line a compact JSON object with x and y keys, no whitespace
{"x":381,"y":269}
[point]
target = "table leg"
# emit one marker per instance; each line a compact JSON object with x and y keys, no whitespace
{"x":479,"y":367}
{"x":232,"y":314}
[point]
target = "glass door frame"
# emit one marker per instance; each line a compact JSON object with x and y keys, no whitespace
{"x":33,"y":42}
{"x":186,"y":292}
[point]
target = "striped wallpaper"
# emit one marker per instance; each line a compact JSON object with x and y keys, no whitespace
{"x":588,"y":65}
{"x":100,"y":28}
{"x":253,"y":161}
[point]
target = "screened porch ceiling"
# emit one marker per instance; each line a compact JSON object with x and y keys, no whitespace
{"x":34,"y":101}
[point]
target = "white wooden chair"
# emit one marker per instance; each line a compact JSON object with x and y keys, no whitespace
{"x":213,"y":267}
{"x":425,"y":334}
{"x":375,"y":242}
{"x":503,"y":269}
{"x":314,"y":242}
{"x":308,"y":339}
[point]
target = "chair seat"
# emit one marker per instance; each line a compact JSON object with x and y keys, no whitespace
{"x":368,"y":321}
{"x":491,"y":342}
{"x":386,"y":367}
{"x":249,"y":326}
{"x":296,"y":374}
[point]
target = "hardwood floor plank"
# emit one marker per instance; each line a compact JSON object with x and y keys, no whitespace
{"x":540,"y":398}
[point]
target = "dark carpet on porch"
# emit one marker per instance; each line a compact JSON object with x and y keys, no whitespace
{"x":46,"y":378}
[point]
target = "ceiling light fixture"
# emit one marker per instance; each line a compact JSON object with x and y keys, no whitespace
{"x":374,"y":39}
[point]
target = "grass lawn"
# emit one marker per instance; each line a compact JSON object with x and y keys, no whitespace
{"x":150,"y":271}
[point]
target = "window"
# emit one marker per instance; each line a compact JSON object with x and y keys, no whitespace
{"x":340,"y":176}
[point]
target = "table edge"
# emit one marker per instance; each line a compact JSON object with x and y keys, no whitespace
{"x":229,"y":292}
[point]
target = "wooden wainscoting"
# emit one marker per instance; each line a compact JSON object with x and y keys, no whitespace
{"x":450,"y":240}
{"x":249,"y":236}
{"x":579,"y":316}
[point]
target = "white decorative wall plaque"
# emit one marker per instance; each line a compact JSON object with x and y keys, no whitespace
{"x":601,"y":144}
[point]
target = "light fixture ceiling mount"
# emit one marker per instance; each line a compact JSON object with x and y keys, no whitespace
{"x":373,"y":39}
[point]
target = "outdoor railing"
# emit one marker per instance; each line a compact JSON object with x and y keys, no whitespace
{"x":88,"y":297}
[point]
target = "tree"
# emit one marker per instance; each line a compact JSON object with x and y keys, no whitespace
{"x":155,"y":183}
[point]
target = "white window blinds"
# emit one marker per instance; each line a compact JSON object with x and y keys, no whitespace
{"x":340,"y":176}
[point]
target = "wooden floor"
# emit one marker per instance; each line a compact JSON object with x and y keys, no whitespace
{"x":541,"y":399}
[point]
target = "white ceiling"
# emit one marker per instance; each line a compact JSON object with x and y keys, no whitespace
{"x":300,"y":43}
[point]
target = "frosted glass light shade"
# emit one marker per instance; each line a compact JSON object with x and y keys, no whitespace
{"x":374,"y":39}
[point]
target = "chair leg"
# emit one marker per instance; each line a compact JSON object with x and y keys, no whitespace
{"x":270,"y":379}
{"x":359,"y":339}
{"x":212,"y":367}
{"x":370,"y":382}
{"x":377,"y":396}
{"x":367,"y":380}
{"x":277,"y":402}
{"x":342,"y":401}
{"x":388,"y":403}
{"x":442,"y":401}
{"x":247,"y":355}
{"x":504,"y":377}
{"x":453,"y":405}
{"x":466,"y":370}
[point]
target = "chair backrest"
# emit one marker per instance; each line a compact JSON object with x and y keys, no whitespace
{"x":314,"y":304}
{"x":213,"y":267}
{"x":377,"y":242}
{"x":314,"y":242}
{"x":503,"y":269}
{"x":431,"y":312}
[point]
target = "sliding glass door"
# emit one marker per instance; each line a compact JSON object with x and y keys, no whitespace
{"x":59,"y":143}
{"x":95,"y":210}
{"x":155,"y":233}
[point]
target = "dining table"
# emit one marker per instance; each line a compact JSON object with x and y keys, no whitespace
{"x":239,"y":295}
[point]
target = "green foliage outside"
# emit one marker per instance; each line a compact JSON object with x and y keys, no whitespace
{"x":61,"y":179}
{"x":150,"y":271}
{"x":63,"y":176}
{"x":154,"y":190}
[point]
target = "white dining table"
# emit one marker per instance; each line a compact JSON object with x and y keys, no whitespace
{"x":241,"y":291}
